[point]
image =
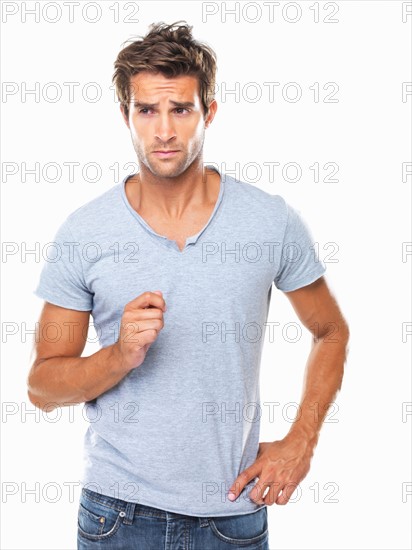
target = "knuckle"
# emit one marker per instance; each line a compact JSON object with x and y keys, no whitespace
{"x":153,"y":334}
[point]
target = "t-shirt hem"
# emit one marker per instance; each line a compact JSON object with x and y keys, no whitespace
{"x":303,"y":282}
{"x":203,"y":515}
{"x":166,"y":508}
{"x":57,"y":302}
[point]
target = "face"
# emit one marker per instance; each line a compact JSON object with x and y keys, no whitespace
{"x":166,"y":115}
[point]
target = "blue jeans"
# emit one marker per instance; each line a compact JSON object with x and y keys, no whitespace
{"x":109,"y":523}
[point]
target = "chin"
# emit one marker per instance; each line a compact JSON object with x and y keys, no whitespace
{"x":170,"y":170}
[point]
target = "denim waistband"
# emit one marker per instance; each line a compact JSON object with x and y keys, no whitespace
{"x":131,"y":509}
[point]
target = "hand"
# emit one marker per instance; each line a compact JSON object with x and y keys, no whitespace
{"x":141,"y":322}
{"x":281,"y":466}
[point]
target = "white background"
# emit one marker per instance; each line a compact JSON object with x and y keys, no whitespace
{"x":364,"y":449}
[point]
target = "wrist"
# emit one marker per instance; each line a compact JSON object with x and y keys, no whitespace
{"x":299,"y":432}
{"x":117,"y":360}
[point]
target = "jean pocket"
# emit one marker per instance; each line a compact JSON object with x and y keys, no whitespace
{"x":241,"y":530}
{"x":96,"y":521}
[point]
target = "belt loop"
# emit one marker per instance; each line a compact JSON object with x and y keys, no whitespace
{"x":204,"y":522}
{"x":129,"y":513}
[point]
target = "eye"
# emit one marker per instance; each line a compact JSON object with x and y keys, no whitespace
{"x":179,"y":110}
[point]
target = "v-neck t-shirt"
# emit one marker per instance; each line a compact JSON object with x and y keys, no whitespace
{"x":176,"y":432}
{"x":169,"y":242}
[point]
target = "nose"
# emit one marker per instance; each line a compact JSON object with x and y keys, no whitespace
{"x":165,"y":130}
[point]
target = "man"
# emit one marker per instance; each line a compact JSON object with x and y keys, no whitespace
{"x":176,"y":266}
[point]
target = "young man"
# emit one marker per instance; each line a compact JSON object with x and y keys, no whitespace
{"x":179,"y":290}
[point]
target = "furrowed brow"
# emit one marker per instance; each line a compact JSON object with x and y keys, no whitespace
{"x":180,"y":104}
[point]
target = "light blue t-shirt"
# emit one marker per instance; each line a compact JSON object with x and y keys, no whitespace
{"x":176,"y":432}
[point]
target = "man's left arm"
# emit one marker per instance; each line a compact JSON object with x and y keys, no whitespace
{"x":282,"y":465}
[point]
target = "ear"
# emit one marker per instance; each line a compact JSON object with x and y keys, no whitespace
{"x":124,"y":115}
{"x":211,"y":113}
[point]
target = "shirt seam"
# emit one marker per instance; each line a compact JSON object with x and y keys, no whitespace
{"x":283,"y":239}
{"x":304,"y":279}
{"x":132,"y":213}
{"x":80,"y":259}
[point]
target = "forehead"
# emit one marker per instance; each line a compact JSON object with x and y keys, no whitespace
{"x":146,"y":85}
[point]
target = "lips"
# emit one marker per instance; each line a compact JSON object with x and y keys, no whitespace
{"x":167,"y":153}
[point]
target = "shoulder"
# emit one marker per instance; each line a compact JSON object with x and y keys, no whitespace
{"x":260,"y":202}
{"x":96,"y":212}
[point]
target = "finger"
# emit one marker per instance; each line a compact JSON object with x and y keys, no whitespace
{"x":263,"y":490}
{"x":287,"y":492}
{"x":134,"y":329}
{"x":144,"y":338}
{"x":155,"y":292}
{"x":267,"y":492}
{"x":147,"y":299}
{"x":142,"y":314}
{"x":242,"y":480}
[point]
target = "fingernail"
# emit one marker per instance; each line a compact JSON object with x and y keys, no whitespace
{"x":232,"y":496}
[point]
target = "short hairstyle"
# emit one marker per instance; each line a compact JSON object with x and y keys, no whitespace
{"x":171,"y":51}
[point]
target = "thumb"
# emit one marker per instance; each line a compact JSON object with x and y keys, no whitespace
{"x":160,"y":293}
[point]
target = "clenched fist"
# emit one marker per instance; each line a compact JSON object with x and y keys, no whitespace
{"x":141,"y":322}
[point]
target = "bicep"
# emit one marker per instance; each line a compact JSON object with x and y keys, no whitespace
{"x":317,"y":308}
{"x":60,"y":332}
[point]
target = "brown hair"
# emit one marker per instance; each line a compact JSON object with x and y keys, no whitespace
{"x":172,"y":51}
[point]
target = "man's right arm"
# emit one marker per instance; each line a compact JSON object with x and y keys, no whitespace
{"x":60,"y":377}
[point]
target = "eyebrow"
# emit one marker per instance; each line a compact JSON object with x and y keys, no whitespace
{"x":180,"y":104}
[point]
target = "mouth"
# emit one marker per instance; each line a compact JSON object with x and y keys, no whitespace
{"x":165,"y":154}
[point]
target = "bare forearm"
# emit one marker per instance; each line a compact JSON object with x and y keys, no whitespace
{"x":323,"y":379}
{"x":60,"y":381}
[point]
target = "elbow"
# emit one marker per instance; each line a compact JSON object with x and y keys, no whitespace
{"x":35,"y":397}
{"x":30,"y":384}
{"x":30,"y":389}
{"x":45,"y":406}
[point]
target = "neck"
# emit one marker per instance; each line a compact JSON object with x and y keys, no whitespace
{"x":172,"y":197}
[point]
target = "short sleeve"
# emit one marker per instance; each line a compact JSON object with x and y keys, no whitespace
{"x":61,"y":279}
{"x":299,"y":261}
